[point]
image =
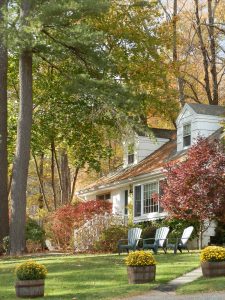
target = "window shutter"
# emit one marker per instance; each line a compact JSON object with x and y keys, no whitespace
{"x":137,"y":201}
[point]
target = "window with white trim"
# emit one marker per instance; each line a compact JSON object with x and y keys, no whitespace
{"x":150,"y":205}
{"x":144,"y":201}
{"x":130,"y":157}
{"x":103,"y":197}
{"x":187,"y":135}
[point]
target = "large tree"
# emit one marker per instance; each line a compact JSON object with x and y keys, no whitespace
{"x":4,"y":214}
{"x":194,"y":187}
{"x":22,"y":155}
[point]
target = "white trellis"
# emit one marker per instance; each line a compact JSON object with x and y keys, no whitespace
{"x":86,"y":235}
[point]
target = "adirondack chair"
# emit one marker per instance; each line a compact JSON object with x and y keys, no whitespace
{"x":159,"y":241}
{"x":181,"y":243}
{"x":132,"y":240}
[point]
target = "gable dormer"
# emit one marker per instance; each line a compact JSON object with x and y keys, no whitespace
{"x":197,"y":120}
{"x":138,"y":146}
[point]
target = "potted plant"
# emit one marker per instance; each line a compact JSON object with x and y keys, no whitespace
{"x":141,"y":267}
{"x":30,"y":281}
{"x":213,"y":261}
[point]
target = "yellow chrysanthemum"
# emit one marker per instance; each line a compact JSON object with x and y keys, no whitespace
{"x":213,"y":253}
{"x":140,"y":258}
{"x":30,"y":270}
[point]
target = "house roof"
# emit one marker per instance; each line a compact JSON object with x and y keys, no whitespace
{"x":204,"y":109}
{"x":154,"y":161}
{"x":159,"y":133}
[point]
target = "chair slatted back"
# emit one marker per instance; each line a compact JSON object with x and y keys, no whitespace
{"x":134,"y":235}
{"x":161,"y":235}
{"x":186,"y":234}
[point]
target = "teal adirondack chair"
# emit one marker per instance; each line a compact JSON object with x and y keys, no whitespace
{"x":181,"y":243}
{"x":159,"y":241}
{"x":134,"y":235}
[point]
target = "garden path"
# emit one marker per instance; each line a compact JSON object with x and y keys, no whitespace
{"x":167,"y":291}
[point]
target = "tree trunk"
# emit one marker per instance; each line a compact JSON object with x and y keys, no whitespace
{"x":22,"y":155}
{"x":204,"y":54}
{"x":213,"y":69}
{"x":53,"y":174}
{"x":40,"y":177}
{"x":4,"y":213}
{"x":65,"y":175}
{"x":74,"y":183}
{"x":180,"y":81}
{"x":59,"y":174}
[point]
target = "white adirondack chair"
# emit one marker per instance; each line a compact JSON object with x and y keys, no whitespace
{"x":131,"y":242}
{"x":181,"y":243}
{"x":159,"y":241}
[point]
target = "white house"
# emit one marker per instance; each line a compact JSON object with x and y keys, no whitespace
{"x":144,"y":159}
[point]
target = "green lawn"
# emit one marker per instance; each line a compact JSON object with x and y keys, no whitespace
{"x":94,"y":276}
{"x":203,"y":285}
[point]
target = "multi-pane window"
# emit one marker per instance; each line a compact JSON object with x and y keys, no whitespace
{"x":150,"y":205}
{"x":103,"y":197}
{"x":161,"y":209}
{"x":144,"y":200}
{"x":130,"y":157}
{"x":187,"y":135}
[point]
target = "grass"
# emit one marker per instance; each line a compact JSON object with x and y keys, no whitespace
{"x":86,"y":277}
{"x":203,"y":285}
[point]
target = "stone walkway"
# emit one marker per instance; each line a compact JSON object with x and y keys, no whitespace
{"x":168,"y":291}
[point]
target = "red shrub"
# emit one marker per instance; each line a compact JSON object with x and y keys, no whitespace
{"x":63,"y":221}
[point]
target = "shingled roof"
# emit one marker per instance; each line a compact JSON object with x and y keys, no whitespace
{"x":204,"y":109}
{"x":151,"y":163}
{"x":158,"y":133}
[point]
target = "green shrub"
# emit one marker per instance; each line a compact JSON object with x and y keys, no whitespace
{"x":219,"y":237}
{"x":177,"y":227}
{"x":149,"y":229}
{"x":109,"y":238}
{"x":34,"y":232}
{"x":31,"y":270}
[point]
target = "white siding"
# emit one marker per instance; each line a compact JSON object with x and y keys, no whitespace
{"x":143,"y":146}
{"x":146,"y":146}
{"x":201,"y":125}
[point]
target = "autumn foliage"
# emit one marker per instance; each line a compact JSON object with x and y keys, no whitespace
{"x":68,"y":217}
{"x":194,"y":189}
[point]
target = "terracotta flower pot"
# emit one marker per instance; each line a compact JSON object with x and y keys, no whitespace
{"x":213,"y":269}
{"x":141,"y":274}
{"x":30,"y":288}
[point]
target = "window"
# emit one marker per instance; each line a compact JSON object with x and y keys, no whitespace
{"x":130,"y":158}
{"x":187,"y":135}
{"x":103,"y":197}
{"x":161,"y":209}
{"x":143,"y":200}
{"x":149,"y":204}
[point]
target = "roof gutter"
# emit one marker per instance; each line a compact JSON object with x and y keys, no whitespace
{"x":118,"y":184}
